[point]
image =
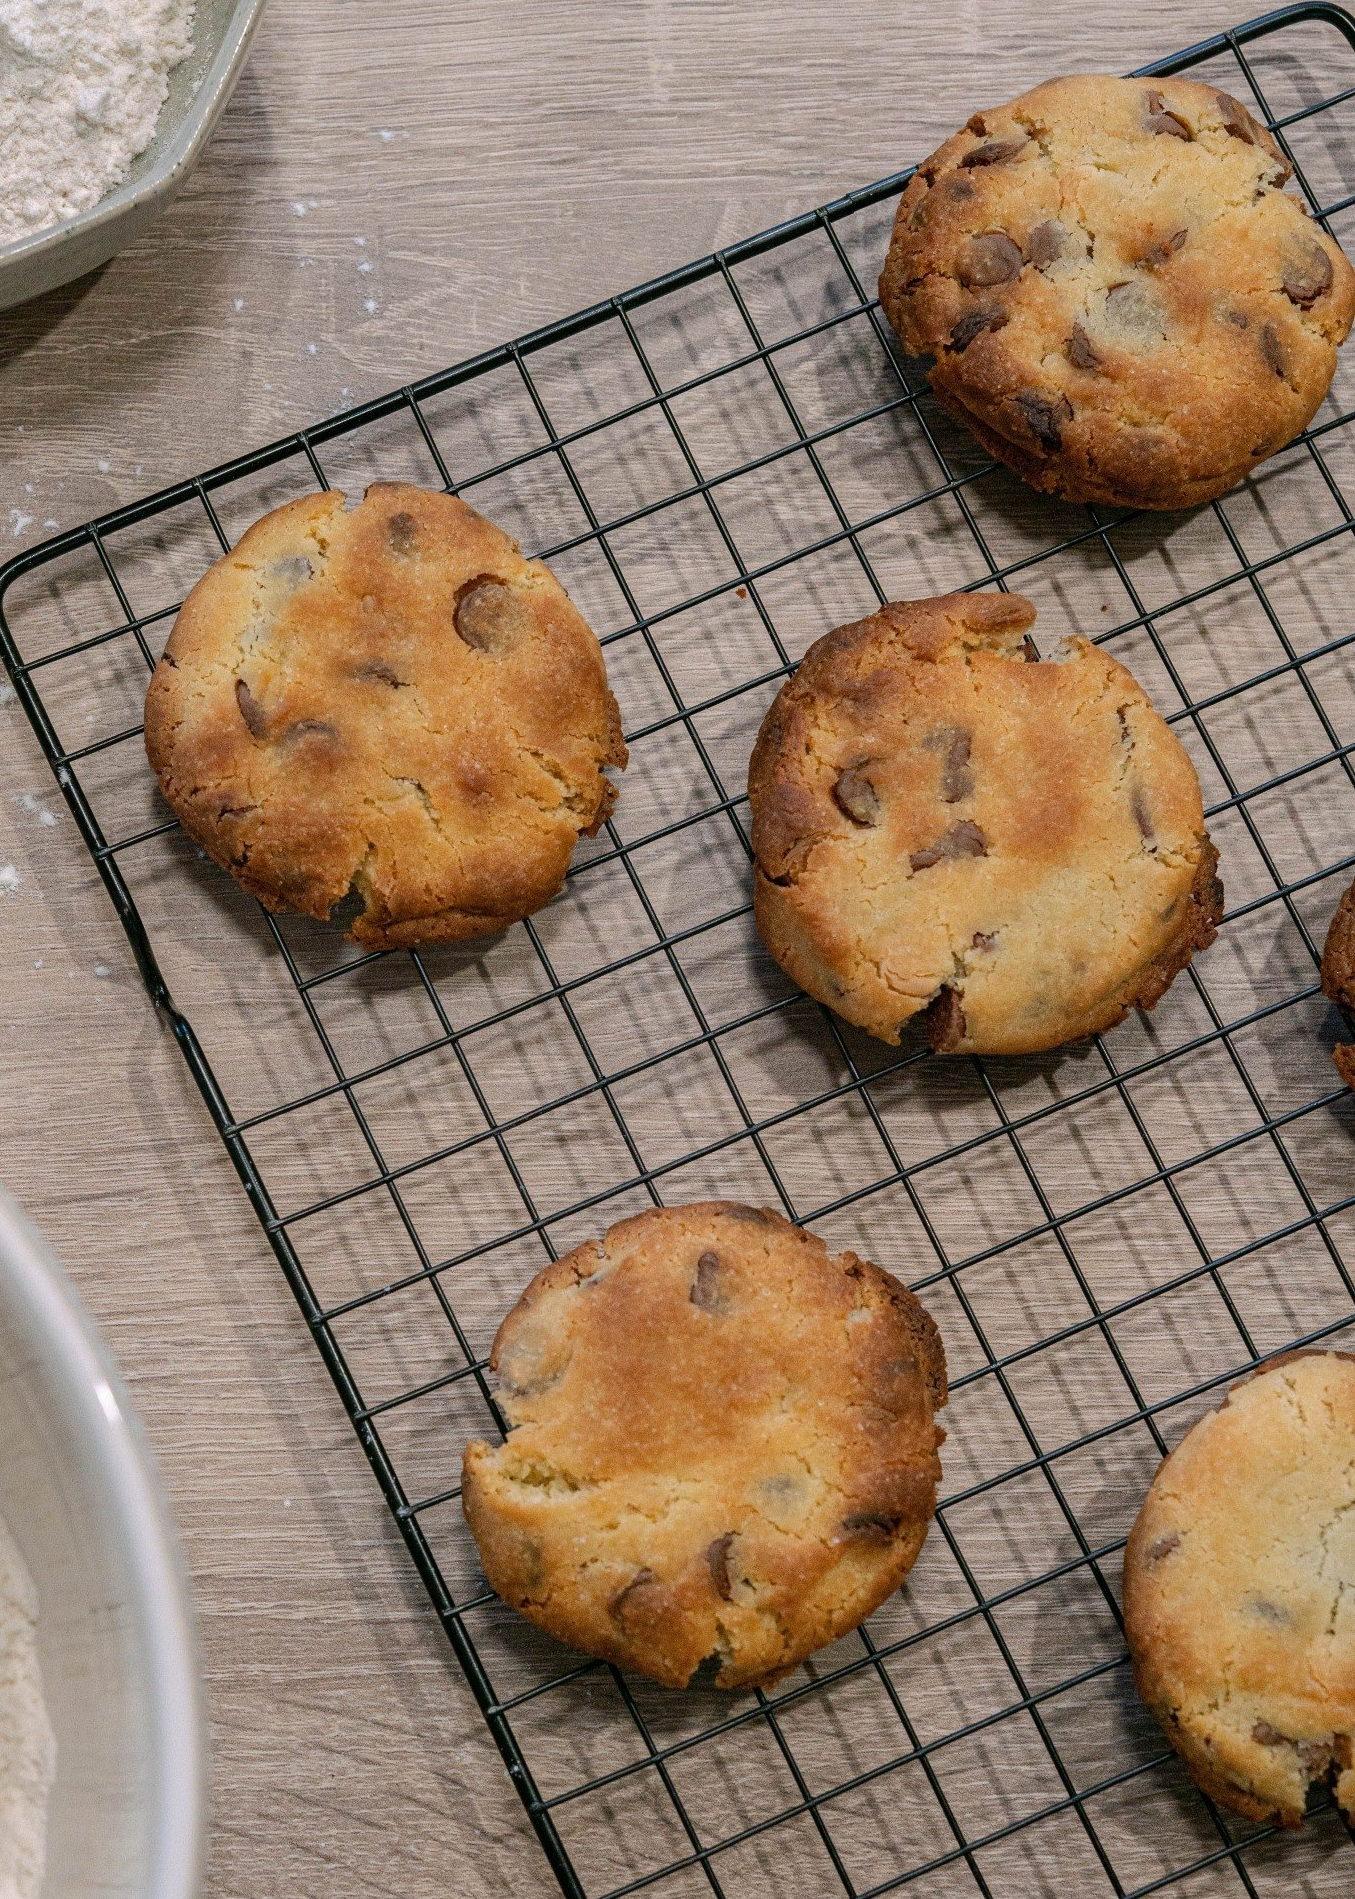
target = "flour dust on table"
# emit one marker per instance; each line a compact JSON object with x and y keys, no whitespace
{"x":82,"y":85}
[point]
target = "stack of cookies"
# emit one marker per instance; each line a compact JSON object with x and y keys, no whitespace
{"x":722,"y":1444}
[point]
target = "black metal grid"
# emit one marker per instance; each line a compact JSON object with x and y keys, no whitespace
{"x":721,"y":464}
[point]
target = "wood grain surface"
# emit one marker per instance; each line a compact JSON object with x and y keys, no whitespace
{"x":391,"y":188}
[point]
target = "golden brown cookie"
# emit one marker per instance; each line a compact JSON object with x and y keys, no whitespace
{"x":1239,"y":1590}
{"x":389,"y":699}
{"x":1338,"y":977}
{"x":1120,"y":300}
{"x":944,"y":823}
{"x":722,"y":1444}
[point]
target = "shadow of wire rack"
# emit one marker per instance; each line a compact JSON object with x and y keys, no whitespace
{"x":720,"y":465}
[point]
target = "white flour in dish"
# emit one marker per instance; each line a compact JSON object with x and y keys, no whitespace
{"x":27,"y":1746}
{"x":82,"y":83}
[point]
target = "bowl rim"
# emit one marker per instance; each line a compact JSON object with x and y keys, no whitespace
{"x":46,"y":1303}
{"x":181,"y":150}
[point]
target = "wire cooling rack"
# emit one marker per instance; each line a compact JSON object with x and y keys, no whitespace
{"x":720,"y":466}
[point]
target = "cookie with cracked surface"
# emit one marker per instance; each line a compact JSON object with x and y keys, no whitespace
{"x":1239,"y":1590}
{"x":722,"y":1445}
{"x":944,"y":822}
{"x":1118,"y":297}
{"x":386,"y":699}
{"x":1338,"y":978}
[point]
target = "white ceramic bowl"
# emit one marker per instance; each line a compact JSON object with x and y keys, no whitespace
{"x":115,"y":1639}
{"x":198,"y":90}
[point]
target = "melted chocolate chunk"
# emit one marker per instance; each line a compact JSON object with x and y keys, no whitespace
{"x":857,"y":796}
{"x":487,"y":615}
{"x":251,"y":711}
{"x":946,"y":1026}
{"x":991,"y":258}
{"x":706,"y":1291}
{"x":1046,"y":243}
{"x":717,"y":1561}
{"x":964,"y":839}
{"x":1272,"y":349}
{"x":984,"y":316}
{"x":1045,"y":416}
{"x":1080,"y":350}
{"x":1161,"y":121}
{"x":1307,"y":275}
{"x":640,"y":1580}
{"x":996,"y":152}
{"x":402,"y":531}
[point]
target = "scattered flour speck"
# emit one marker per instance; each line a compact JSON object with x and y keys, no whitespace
{"x":9,"y":880}
{"x":82,"y":83}
{"x":19,"y":521}
{"x":102,"y":969}
{"x":6,"y":693}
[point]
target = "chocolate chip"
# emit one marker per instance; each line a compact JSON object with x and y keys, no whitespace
{"x":1237,"y":121}
{"x":958,"y":189}
{"x":957,"y":781}
{"x":991,"y":258}
{"x":1271,"y":1612}
{"x":1266,"y":1736}
{"x":1142,"y":816}
{"x":717,"y":1561}
{"x":251,"y":711}
{"x":402,"y":531}
{"x":866,"y":1523}
{"x":1045,"y":416}
{"x":1080,"y":350}
{"x":996,"y":152}
{"x":379,"y":669}
{"x":946,"y":1025}
{"x":1045,"y":243}
{"x":1162,"y":1547}
{"x":293,"y":570}
{"x":1163,"y":122}
{"x":1157,"y":254}
{"x":984,"y":316}
{"x":706,"y":1292}
{"x":1306,"y":275}
{"x":640,"y":1580}
{"x":964,"y":839}
{"x":983,"y":940}
{"x":735,"y":1210}
{"x":1238,"y":318}
{"x":1272,"y":349}
{"x":857,"y":796}
{"x":487,"y":615}
{"x":310,"y":728}
{"x":1030,"y":652}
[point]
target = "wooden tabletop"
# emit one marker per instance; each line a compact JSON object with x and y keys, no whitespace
{"x":391,"y":189}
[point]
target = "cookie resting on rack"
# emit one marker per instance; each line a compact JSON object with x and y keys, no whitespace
{"x":389,"y":700}
{"x":1118,"y":297}
{"x":722,"y":1445}
{"x":1239,"y":1590}
{"x":1338,"y":977}
{"x":946,"y":825}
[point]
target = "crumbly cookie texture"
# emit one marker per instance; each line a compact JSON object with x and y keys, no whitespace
{"x":723,"y":1445}
{"x":1120,"y":299}
{"x":1239,"y":1590}
{"x":386,"y":699}
{"x":1338,"y":977}
{"x":943,"y":822}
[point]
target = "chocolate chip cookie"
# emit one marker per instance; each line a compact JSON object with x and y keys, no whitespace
{"x":722,"y":1445}
{"x":1338,"y":978}
{"x":386,"y":699}
{"x":1119,"y":298}
{"x":1239,"y":1590}
{"x":945,"y":824}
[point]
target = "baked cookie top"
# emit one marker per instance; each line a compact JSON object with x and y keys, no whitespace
{"x":1120,"y":299}
{"x":1338,"y":977}
{"x":1239,"y":1589}
{"x":944,"y":822}
{"x":722,"y":1444}
{"x":390,"y":698}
